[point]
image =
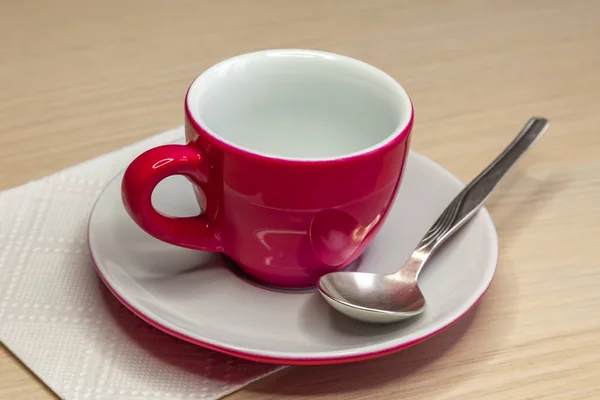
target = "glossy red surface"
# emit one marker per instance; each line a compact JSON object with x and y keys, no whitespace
{"x":139,"y":181}
{"x":284,"y":222}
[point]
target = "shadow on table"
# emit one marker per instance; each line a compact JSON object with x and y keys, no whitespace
{"x":363,"y":375}
{"x":177,"y":352}
{"x":294,"y":381}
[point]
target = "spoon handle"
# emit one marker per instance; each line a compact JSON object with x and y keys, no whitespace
{"x":471,"y":198}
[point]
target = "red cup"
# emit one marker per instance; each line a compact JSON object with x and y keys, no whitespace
{"x":298,"y":156}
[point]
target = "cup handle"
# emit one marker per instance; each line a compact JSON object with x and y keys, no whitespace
{"x":139,"y":181}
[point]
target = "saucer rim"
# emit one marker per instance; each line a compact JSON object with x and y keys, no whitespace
{"x":298,"y":360}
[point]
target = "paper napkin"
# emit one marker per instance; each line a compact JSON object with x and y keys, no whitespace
{"x":58,"y":318}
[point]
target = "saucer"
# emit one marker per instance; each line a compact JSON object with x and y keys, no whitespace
{"x":200,"y":298}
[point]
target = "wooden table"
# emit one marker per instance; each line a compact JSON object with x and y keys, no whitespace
{"x":80,"y":78}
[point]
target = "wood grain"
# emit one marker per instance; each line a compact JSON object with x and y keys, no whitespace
{"x":80,"y":78}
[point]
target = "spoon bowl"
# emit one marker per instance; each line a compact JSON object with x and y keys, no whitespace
{"x":359,"y":292}
{"x":378,"y":298}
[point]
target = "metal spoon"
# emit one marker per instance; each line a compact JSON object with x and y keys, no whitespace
{"x":380,"y":298}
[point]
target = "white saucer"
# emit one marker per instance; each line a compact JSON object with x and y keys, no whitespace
{"x":194,"y":296}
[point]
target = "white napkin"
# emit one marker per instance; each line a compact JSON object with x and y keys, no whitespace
{"x":58,"y":318}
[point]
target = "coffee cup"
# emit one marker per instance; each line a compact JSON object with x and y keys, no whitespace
{"x":295,"y":156}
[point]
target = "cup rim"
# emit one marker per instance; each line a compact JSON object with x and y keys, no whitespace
{"x":399,"y":134}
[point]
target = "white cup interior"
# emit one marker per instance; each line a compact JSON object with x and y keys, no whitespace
{"x":299,"y":104}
